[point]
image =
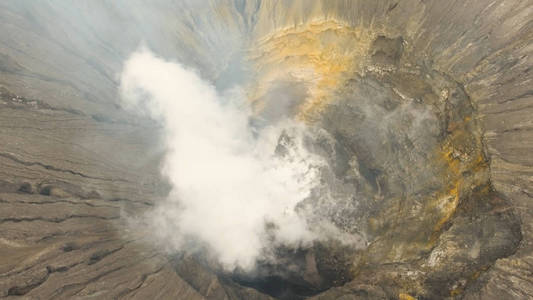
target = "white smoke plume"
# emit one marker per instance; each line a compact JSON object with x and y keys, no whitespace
{"x":229,"y":191}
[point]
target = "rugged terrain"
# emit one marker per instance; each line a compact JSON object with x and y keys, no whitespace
{"x":422,"y":108}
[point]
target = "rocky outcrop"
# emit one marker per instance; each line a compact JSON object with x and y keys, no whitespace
{"x":423,"y":109}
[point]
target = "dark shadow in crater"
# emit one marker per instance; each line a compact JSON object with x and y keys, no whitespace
{"x":279,"y":287}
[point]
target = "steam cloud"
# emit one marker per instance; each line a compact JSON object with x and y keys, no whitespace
{"x":229,"y":191}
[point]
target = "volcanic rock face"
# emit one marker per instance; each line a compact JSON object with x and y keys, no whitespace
{"x":422,"y":110}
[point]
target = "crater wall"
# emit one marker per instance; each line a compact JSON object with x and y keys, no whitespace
{"x":449,"y":219}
